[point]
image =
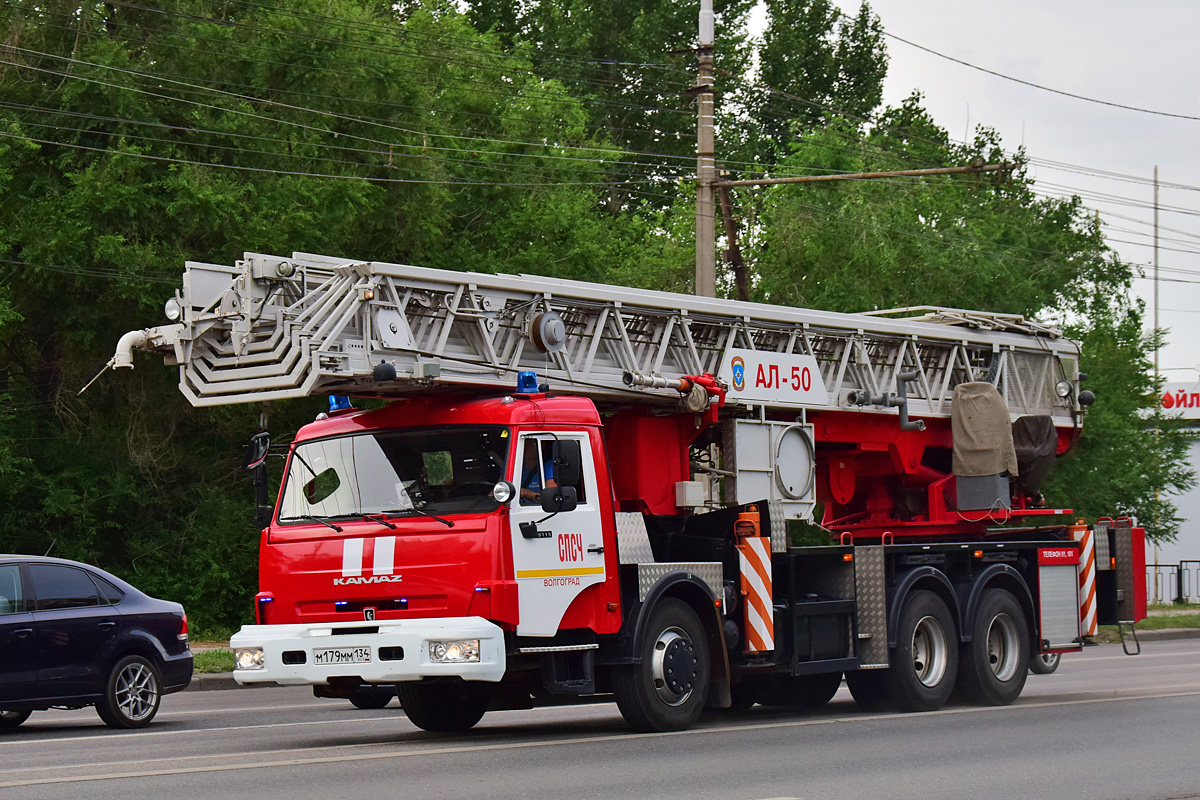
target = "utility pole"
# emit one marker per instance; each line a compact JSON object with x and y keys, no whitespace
{"x":706,"y":163}
{"x":1156,"y":373}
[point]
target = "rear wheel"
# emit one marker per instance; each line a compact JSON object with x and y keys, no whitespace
{"x":869,"y":688}
{"x":925,"y":661}
{"x":451,"y":706}
{"x":1044,"y":663}
{"x":801,"y":691}
{"x":668,"y":689}
{"x":11,"y":719}
{"x":994,"y":662}
{"x":132,"y":694}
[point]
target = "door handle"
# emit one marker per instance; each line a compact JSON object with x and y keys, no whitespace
{"x":22,"y":633}
{"x":595,"y":548}
{"x":107,"y":625}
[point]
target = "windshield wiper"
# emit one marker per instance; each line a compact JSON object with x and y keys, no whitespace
{"x":422,"y":512}
{"x":311,"y":518}
{"x":381,"y":519}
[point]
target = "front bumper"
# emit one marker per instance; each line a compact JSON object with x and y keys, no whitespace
{"x":404,"y":642}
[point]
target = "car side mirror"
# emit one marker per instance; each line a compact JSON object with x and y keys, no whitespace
{"x":568,"y":461}
{"x":557,"y":499}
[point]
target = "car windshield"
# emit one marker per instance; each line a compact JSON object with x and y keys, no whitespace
{"x":444,"y":470}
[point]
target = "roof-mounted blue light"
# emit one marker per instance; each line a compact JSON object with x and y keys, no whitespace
{"x":527,"y":383}
{"x":339,"y":402}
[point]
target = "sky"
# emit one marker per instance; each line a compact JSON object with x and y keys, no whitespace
{"x":1134,"y":54}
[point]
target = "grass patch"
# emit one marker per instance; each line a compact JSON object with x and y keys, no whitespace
{"x":1173,"y":621}
{"x":210,"y":661}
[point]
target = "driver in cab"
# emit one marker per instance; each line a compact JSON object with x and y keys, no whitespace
{"x":531,"y":475}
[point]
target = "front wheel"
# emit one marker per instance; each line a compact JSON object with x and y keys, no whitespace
{"x":370,"y":698}
{"x":1044,"y":663}
{"x":668,"y":689}
{"x":994,"y":661}
{"x":132,"y":694}
{"x":445,"y":707}
{"x":11,"y":719}
{"x":925,"y":661}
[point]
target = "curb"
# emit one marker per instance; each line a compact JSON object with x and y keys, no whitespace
{"x":1168,"y":634}
{"x":224,"y":680}
{"x":221,"y":680}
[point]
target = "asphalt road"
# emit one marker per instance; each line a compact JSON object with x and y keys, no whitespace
{"x":1104,"y":726}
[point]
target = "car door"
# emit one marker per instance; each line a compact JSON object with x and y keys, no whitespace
{"x":18,"y":645}
{"x":76,"y":631}
{"x":562,"y":554}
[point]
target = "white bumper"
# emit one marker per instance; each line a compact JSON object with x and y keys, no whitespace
{"x":398,"y":652}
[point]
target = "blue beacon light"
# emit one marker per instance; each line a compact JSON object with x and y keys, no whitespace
{"x":527,"y":383}
{"x":339,"y":402}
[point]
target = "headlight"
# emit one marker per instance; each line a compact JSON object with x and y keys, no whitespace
{"x":457,"y":651}
{"x":1063,"y":389}
{"x":503,"y":491}
{"x":173,"y":310}
{"x":248,"y":657}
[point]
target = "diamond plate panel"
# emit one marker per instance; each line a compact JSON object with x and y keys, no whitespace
{"x":779,"y":537}
{"x":633,"y":543}
{"x":1123,"y":544}
{"x":708,"y":571}
{"x":870,"y":583}
{"x":1103,"y":554}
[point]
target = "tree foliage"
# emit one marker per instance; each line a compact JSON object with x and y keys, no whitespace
{"x":551,"y":137}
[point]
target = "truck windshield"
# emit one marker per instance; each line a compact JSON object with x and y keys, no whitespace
{"x":444,"y":470}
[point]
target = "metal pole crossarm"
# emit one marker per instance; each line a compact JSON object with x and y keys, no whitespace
{"x":862,"y":176}
{"x":274,"y":327}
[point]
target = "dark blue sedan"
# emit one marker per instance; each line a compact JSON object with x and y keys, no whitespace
{"x":72,"y":636}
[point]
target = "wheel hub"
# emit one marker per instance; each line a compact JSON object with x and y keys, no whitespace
{"x":1003,"y":648}
{"x":674,"y":666}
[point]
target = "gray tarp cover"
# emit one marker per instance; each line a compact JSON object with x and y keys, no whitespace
{"x":982,"y":430}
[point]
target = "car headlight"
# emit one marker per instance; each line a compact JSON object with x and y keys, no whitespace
{"x":456,"y":651}
{"x":1063,"y":389}
{"x":248,"y":658}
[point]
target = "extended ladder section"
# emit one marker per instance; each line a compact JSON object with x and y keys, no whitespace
{"x":273,"y":327}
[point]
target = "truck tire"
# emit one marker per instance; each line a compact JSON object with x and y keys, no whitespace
{"x":925,"y":661}
{"x":11,"y":719}
{"x":1044,"y":663}
{"x":132,"y":693}
{"x":372,"y":698}
{"x":668,"y":689}
{"x":869,"y":688}
{"x":445,"y":707}
{"x":801,"y":691}
{"x":994,"y":663}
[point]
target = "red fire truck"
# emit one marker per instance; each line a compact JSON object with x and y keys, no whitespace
{"x":577,"y":491}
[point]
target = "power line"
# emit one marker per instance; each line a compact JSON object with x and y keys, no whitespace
{"x":1037,"y":85}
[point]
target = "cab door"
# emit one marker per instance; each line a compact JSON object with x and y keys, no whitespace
{"x":555,"y":556}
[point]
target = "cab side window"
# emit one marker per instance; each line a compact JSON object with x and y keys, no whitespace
{"x":12,"y":596}
{"x":536,"y":471}
{"x":58,"y":586}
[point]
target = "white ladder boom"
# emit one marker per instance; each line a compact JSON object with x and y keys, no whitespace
{"x":273,"y":327}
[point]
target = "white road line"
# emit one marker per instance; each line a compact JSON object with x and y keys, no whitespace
{"x":298,"y":762}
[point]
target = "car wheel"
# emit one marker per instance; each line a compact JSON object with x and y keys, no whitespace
{"x":445,"y":707}
{"x":668,"y":689}
{"x":11,"y":719}
{"x":132,"y":694}
{"x":1044,"y":663}
{"x":992,"y":671}
{"x":925,"y":661}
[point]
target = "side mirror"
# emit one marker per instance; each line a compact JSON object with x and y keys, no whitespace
{"x":255,"y":453}
{"x":559,"y":498}
{"x":568,"y":462}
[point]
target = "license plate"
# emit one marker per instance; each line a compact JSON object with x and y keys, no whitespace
{"x":342,"y":655}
